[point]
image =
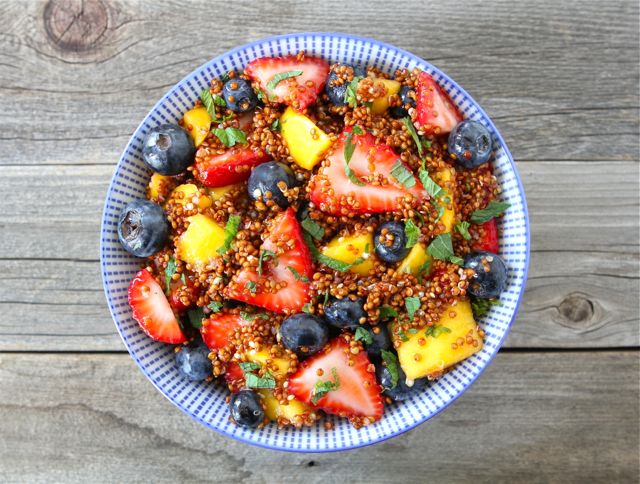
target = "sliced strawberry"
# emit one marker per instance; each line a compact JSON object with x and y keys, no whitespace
{"x":232,"y":166}
{"x":217,"y":330}
{"x":292,"y":268}
{"x":435,"y":112}
{"x":333,"y":192}
{"x":152,"y":310}
{"x":357,"y":393}
{"x":234,"y":376}
{"x":488,"y":237}
{"x":299,"y":91}
{"x":182,"y":296}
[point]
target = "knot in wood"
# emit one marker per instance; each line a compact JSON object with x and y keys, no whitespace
{"x":76,"y":25}
{"x":576,"y":308}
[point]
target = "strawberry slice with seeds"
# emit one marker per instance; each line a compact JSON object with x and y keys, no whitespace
{"x":436,"y":113}
{"x":218,"y":329}
{"x":152,"y":311}
{"x":215,"y":169}
{"x":372,"y":163}
{"x":234,"y":376}
{"x":488,"y":237}
{"x":282,"y":284}
{"x":352,"y":390}
{"x":302,"y":79}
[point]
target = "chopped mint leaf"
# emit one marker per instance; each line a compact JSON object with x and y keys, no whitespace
{"x":463,"y":229}
{"x":321,"y":388}
{"x":357,"y":130}
{"x":254,"y":381}
{"x":219,"y":101}
{"x":249,"y":366}
{"x":403,"y":175}
{"x":275,"y":126}
{"x":326,"y":296}
{"x":313,"y":228}
{"x":403,"y":336}
{"x":391,"y":362}
{"x":169,"y":271}
{"x":412,"y":232}
{"x":412,"y":304}
{"x":252,"y":316}
{"x":230,"y":231}
{"x":412,"y":131}
{"x":281,"y":76}
{"x":251,"y":286}
{"x":387,"y":312}
{"x":491,"y":211}
{"x":230,"y":136}
{"x":215,"y":306}
{"x":261,"y":95}
{"x":225,"y":77}
{"x":307,"y":308}
{"x":350,"y":94}
{"x":436,"y":330}
{"x":209,"y":103}
{"x":349,"y":148}
{"x":264,"y":255}
{"x":433,"y":189}
{"x":442,"y":249}
{"x":196,"y":316}
{"x":364,"y":335}
{"x":481,"y":307}
{"x":297,"y":275}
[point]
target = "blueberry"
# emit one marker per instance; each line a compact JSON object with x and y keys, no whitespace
{"x":344,"y":313}
{"x":390,"y":250}
{"x":401,"y":391}
{"x":304,"y":334}
{"x":336,"y":93}
{"x":168,"y":149}
{"x":470,"y":142}
{"x":407,"y":98}
{"x":239,"y":95}
{"x":246,"y":409}
{"x":490,"y":277}
{"x":142,"y":228}
{"x":381,"y":339}
{"x":264,"y":180}
{"x":303,"y":211}
{"x":193,"y":361}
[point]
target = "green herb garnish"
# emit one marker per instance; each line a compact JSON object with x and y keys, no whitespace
{"x":275,"y":126}
{"x":481,"y":307}
{"x":249,"y":366}
{"x":251,"y":316}
{"x":264,"y":255}
{"x":412,"y":304}
{"x":350,"y":94}
{"x":225,"y":77}
{"x":349,"y":148}
{"x":364,"y":335}
{"x":313,"y":228}
{"x":209,"y":103}
{"x":169,"y":271}
{"x":391,"y":362}
{"x":230,"y":136}
{"x":412,"y":233}
{"x":463,"y":229}
{"x":230,"y":231}
{"x":195,"y":315}
{"x":491,"y":211}
{"x":403,"y":175}
{"x":297,"y":275}
{"x":433,"y":189}
{"x":436,"y":330}
{"x":326,"y":296}
{"x":321,"y":388}
{"x":307,"y":308}
{"x":254,"y":381}
{"x":442,"y":249}
{"x":281,"y":76}
{"x":251,"y":286}
{"x":215,"y":306}
{"x":412,"y":131}
{"x":387,"y":312}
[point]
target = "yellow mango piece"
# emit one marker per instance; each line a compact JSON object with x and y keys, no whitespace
{"x":446,"y":177}
{"x":273,"y":408}
{"x":189,"y":190}
{"x":381,"y":104}
{"x":219,"y":192}
{"x":415,"y":260}
{"x":277,"y":367}
{"x":198,"y":123}
{"x":306,"y":142}
{"x":437,"y":352}
{"x":200,"y":242}
{"x":349,"y":248}
{"x":157,"y":186}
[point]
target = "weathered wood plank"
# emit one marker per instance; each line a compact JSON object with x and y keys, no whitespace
{"x":557,"y":76}
{"x":91,"y":418}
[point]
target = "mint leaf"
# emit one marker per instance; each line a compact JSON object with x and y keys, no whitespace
{"x":357,"y":130}
{"x":481,"y":307}
{"x":281,"y":76}
{"x":169,"y":271}
{"x":321,"y":388}
{"x":275,"y":126}
{"x":490,"y":211}
{"x":251,"y":316}
{"x":463,"y":229}
{"x":215,"y":306}
{"x":349,"y":148}
{"x":436,"y":330}
{"x":196,"y":316}
{"x":249,"y":366}
{"x":391,"y":362}
{"x":209,"y":103}
{"x":254,"y":381}
{"x":251,"y":286}
{"x":387,"y":312}
{"x":433,"y":189}
{"x":307,"y":308}
{"x":264,"y":255}
{"x":297,"y":275}
{"x":230,"y":231}
{"x":364,"y":335}
{"x":230,"y":136}
{"x":350,"y":94}
{"x":412,"y":304}
{"x":403,"y":175}
{"x":442,"y":249}
{"x":412,"y":131}
{"x":412,"y":233}
{"x":312,"y":228}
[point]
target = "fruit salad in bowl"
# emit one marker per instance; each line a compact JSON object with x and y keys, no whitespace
{"x":317,"y":241}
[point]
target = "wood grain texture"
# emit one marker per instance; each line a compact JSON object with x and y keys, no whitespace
{"x":529,"y":418}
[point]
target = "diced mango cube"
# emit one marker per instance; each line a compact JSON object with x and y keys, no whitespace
{"x":198,"y":123}
{"x":274,"y":409}
{"x":198,"y":244}
{"x":446,"y":178}
{"x":188,"y":190}
{"x":449,"y":341}
{"x":219,"y":192}
{"x":416,"y":261}
{"x":349,"y":248}
{"x":306,"y":142}
{"x":159,"y":187}
{"x":277,"y":366}
{"x":381,"y":104}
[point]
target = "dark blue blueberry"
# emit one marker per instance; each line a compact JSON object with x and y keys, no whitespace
{"x":303,"y":210}
{"x":246,"y":409}
{"x":142,"y":228}
{"x":390,"y":251}
{"x":344,"y":313}
{"x":490,"y":277}
{"x":336,"y":93}
{"x":264,"y":180}
{"x":407,"y":98}
{"x":168,"y":149}
{"x":239,"y":95}
{"x":470,"y":142}
{"x":401,"y":391}
{"x":304,"y":334}
{"x":381,"y":339}
{"x":193,"y":361}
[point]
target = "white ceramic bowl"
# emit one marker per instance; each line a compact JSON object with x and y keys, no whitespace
{"x":205,"y":401}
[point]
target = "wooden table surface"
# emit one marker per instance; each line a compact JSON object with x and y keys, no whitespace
{"x":560,"y":79}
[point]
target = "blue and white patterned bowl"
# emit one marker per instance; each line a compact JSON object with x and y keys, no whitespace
{"x":205,"y":401}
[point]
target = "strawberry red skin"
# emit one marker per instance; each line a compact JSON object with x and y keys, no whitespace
{"x":489,"y":240}
{"x":217,"y":330}
{"x":152,"y":311}
{"x":232,"y":166}
{"x":436,"y":114}
{"x":234,"y":376}
{"x":358,"y":394}
{"x":177,"y":290}
{"x":298,"y":92}
{"x":369,"y":198}
{"x":295,"y":295}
